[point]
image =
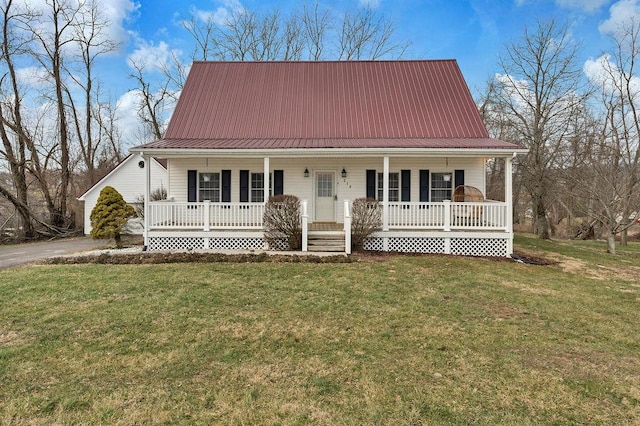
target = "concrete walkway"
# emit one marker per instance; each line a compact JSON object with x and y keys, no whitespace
{"x":22,"y":254}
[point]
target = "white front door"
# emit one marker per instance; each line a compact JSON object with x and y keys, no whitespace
{"x":325,"y":197}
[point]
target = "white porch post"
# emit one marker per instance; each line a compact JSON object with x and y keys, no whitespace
{"x":508,"y":199}
{"x":385,"y":194}
{"x":147,"y":199}
{"x":206,"y":211}
{"x":305,"y":225}
{"x":266,"y":179}
{"x":347,"y":227}
{"x":447,"y":215}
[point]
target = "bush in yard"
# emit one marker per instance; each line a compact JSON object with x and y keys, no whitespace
{"x":108,"y":216}
{"x":282,"y":221}
{"x":366,"y":218}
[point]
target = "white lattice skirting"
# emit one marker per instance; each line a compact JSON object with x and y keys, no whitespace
{"x":465,"y":246}
{"x":200,"y":243}
{"x":460,"y":246}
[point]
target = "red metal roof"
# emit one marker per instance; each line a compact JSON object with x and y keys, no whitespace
{"x":267,"y":143}
{"x":349,"y":104}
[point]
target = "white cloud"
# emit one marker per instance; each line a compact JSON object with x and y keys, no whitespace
{"x":221,"y":15}
{"x":594,"y":69}
{"x":586,"y":5}
{"x":118,"y":12}
{"x":33,"y":76}
{"x":369,"y":3}
{"x":127,"y":119}
{"x":603,"y":72}
{"x":151,"y":57}
{"x":128,"y":122}
{"x":518,"y":90}
{"x":620,"y":14}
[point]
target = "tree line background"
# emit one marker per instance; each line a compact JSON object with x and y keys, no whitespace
{"x":581,"y":176}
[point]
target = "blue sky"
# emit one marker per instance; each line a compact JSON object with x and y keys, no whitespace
{"x":473,"y":32}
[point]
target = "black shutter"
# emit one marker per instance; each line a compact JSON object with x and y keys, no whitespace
{"x":405,"y":182}
{"x":278,"y":182}
{"x":424,"y":186}
{"x":192,"y":185}
{"x":458,"y":178}
{"x":244,"y":186}
{"x":371,"y":184}
{"x":226,"y":186}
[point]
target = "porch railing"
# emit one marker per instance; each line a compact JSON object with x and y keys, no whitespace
{"x":447,"y":215}
{"x":205,"y":215}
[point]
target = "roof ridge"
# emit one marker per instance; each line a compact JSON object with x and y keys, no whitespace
{"x":328,"y":61}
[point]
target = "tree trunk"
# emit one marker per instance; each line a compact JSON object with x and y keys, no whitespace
{"x":611,"y":243}
{"x":623,"y":237}
{"x":541,"y":221}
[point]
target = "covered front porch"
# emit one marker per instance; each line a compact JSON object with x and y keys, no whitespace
{"x":407,"y":226}
{"x":407,"y":188}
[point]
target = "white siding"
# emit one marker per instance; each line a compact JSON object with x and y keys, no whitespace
{"x":129,"y":180}
{"x":354,"y":186}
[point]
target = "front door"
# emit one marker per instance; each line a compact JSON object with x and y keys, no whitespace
{"x":325,"y":197}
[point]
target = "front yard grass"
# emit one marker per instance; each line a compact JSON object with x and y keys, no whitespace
{"x":383,"y":340}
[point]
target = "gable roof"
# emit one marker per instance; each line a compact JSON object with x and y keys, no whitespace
{"x":341,"y":104}
{"x":131,"y":157}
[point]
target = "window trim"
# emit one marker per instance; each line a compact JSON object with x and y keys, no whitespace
{"x":261,"y":188}
{"x":432,"y":195}
{"x":257,"y":190}
{"x":215,"y":190}
{"x":394,"y":192}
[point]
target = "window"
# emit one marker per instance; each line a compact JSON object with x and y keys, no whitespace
{"x":324,"y":185}
{"x":209,"y":187}
{"x":440,"y":187}
{"x":394,"y":186}
{"x":257,"y":187}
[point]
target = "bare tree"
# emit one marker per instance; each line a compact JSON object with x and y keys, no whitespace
{"x":316,"y":24}
{"x":611,"y":191}
{"x":45,"y":146}
{"x":91,"y":42}
{"x":54,"y":33}
{"x":14,"y":139}
{"x":541,"y":90}
{"x":152,"y":100}
{"x":310,"y":34}
{"x":366,"y":35}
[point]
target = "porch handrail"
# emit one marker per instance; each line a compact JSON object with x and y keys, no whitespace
{"x":448,"y":215}
{"x":205,"y":215}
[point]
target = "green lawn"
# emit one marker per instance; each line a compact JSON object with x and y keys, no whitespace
{"x":383,"y":340}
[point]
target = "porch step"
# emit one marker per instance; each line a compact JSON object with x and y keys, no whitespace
{"x":332,"y":241}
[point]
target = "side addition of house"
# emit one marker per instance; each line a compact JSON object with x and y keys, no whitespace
{"x":404,"y":132}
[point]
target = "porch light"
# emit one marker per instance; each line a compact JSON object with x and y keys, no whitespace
{"x":344,"y":173}
{"x":447,"y":177}
{"x":306,"y":172}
